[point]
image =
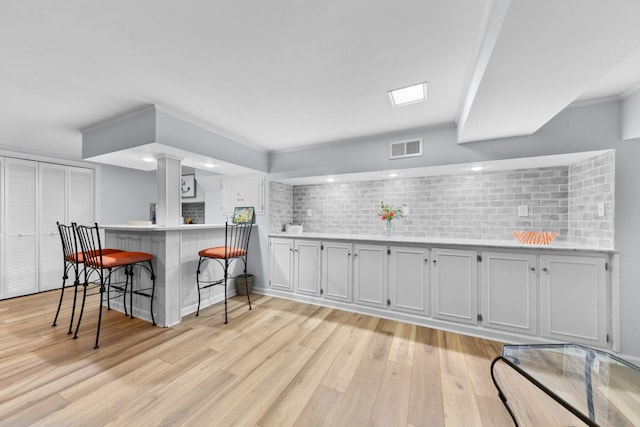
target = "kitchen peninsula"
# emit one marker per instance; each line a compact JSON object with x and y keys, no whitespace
{"x":175,"y":249}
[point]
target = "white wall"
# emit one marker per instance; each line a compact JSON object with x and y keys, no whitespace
{"x":125,"y":194}
{"x":594,"y":127}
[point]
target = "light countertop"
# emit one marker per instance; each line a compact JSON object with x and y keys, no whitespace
{"x":155,"y":227}
{"x":434,"y":241}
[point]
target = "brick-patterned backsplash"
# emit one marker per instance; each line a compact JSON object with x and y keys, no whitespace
{"x":591,"y":183}
{"x":195,"y":211}
{"x":280,"y":205}
{"x":481,"y":205}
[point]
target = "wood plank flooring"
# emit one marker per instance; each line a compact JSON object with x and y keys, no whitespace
{"x":282,"y":364}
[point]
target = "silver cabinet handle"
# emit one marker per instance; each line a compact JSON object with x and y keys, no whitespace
{"x":532,"y":269}
{"x":545,"y":269}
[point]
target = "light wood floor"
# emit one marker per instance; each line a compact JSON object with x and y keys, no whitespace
{"x":283,"y":363}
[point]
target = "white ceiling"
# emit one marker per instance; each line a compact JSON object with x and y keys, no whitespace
{"x":283,"y":74}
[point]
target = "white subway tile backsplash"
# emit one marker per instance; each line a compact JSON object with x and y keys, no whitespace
{"x":479,"y":206}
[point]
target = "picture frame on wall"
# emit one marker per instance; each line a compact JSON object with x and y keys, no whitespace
{"x":188,"y":186}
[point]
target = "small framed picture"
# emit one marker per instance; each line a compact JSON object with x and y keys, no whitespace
{"x":188,"y":186}
{"x":243,"y":215}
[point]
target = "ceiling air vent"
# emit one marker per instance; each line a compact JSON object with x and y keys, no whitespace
{"x":402,"y":149}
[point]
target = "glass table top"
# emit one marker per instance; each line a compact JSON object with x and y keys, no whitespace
{"x":598,"y":384}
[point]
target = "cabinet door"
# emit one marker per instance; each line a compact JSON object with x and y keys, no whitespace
{"x":281,"y":264}
{"x":509,"y":292}
{"x":253,"y":192}
{"x":370,"y":275}
{"x":21,"y":204}
{"x":337,"y":270}
{"x":243,"y":191}
{"x":409,"y":280}
{"x":573,"y":299}
{"x":80,"y":196}
{"x":455,"y":285}
{"x":306,"y":269}
{"x":52,"y":192}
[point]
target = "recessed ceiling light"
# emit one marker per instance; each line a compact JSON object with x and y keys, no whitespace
{"x":331,"y":179}
{"x":147,"y":159}
{"x":476,"y":168}
{"x":392,"y":175}
{"x":408,"y":95}
{"x":209,"y":165}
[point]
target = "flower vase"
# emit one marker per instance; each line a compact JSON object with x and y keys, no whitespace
{"x":388,"y":228}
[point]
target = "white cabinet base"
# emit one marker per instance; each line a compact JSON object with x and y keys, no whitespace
{"x":509,"y":292}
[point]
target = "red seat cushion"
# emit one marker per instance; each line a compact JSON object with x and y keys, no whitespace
{"x":219,"y":252}
{"x":119,"y":259}
{"x":79,"y":257}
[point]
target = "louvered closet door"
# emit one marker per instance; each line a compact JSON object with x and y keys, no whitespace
{"x":2,"y":260}
{"x":21,"y":210}
{"x":53,"y":179}
{"x":80,"y":191}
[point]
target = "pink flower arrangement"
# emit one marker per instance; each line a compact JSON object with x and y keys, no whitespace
{"x":387,"y":213}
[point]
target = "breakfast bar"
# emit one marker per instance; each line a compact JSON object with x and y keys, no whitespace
{"x":175,"y":249}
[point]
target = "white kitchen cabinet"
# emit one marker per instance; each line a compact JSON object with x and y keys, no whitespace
{"x":281,"y":267}
{"x":21,"y":227}
{"x":306,"y":267}
{"x":455,"y":285}
{"x":243,"y":191}
{"x":337,"y":270}
{"x":509,"y":292}
{"x":295,"y":266}
{"x":574,"y":299}
{"x":370,"y":275}
{"x":409,"y":280}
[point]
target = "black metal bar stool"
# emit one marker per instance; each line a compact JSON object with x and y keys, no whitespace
{"x":99,"y":268}
{"x":71,"y":259}
{"x":236,"y":247}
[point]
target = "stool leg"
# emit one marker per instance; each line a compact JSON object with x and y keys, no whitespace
{"x":75,"y":298}
{"x":108,"y":291}
{"x":64,"y":280}
{"x":100,"y":312}
{"x":226,"y":267}
{"x":153,"y":292}
{"x":198,"y":284}
{"x":130,"y":268}
{"x":246,"y":285}
{"x":85,"y":285}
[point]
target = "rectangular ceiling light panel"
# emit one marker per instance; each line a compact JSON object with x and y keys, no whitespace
{"x":408,"y":95}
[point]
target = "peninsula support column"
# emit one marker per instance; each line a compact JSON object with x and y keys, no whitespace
{"x":168,"y":213}
{"x":169,"y":206}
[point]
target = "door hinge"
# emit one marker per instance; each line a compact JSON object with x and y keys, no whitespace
{"x":606,"y":266}
{"x":321,"y":247}
{"x":388,"y":251}
{"x":388,"y":302}
{"x":321,"y":291}
{"x":479,"y":317}
{"x":608,"y":338}
{"x":479,"y":258}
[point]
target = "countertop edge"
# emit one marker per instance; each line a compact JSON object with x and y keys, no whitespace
{"x":498,"y":244}
{"x":153,"y":227}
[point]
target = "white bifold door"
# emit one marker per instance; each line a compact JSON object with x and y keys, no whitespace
{"x":21,"y":227}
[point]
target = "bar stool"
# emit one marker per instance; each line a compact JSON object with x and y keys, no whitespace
{"x":71,"y":259}
{"x":99,"y":268}
{"x":236,"y":247}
